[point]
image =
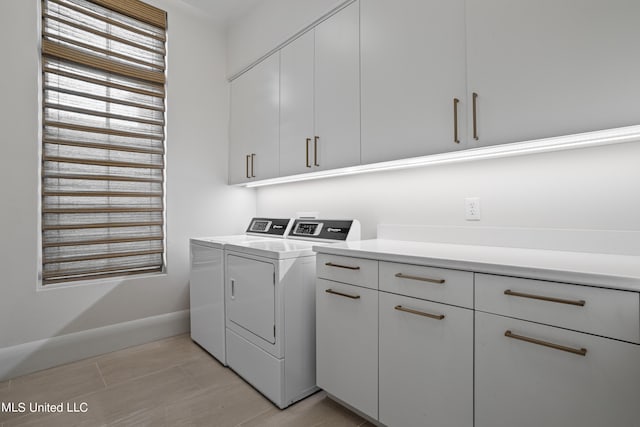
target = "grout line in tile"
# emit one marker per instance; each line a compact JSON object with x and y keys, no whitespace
{"x":140,"y":376}
{"x":140,"y":411}
{"x":191,"y":377}
{"x":243,"y":422}
{"x":101,"y":376}
{"x":164,"y":368}
{"x":200,"y":389}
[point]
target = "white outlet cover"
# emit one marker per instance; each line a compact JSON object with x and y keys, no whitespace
{"x":472,"y":209}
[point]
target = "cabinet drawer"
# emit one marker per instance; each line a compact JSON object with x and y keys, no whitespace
{"x":528,"y":384}
{"x":606,"y":312}
{"x":355,"y":271}
{"x":435,"y":284}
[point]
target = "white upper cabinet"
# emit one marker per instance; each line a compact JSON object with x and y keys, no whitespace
{"x":320,"y":97}
{"x":254,"y":126}
{"x":382,"y":80}
{"x":296,"y":105}
{"x":413,"y":66}
{"x":337,"y":90}
{"x":552,"y":67}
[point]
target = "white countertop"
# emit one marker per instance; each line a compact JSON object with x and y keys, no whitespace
{"x":605,"y":270}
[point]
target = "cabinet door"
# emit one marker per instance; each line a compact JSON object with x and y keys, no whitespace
{"x":347,"y":344}
{"x":524,"y":384}
{"x":296,"y":106}
{"x":413,"y":66}
{"x":552,"y":67}
{"x":337,"y":91}
{"x":426,"y":364}
{"x":254,"y":127}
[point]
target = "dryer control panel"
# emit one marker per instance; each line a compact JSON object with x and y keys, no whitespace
{"x":325,"y":230}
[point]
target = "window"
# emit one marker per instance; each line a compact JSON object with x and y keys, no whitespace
{"x":103,"y":64}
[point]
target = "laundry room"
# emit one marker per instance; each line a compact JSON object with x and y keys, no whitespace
{"x":320,"y":212}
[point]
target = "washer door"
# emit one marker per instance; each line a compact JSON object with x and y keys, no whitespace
{"x":251,"y":296}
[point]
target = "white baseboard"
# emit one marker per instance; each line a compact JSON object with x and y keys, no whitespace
{"x":42,"y":354}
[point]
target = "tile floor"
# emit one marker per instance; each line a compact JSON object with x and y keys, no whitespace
{"x":171,"y":382}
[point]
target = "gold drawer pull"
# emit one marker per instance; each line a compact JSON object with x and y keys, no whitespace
{"x":455,"y":120}
{"x":331,"y":291}
{"x":422,"y":279}
{"x":579,"y":303}
{"x":419,"y":313}
{"x":580,"y":352}
{"x":315,"y":151}
{"x":475,"y":115}
{"x":348,"y":267}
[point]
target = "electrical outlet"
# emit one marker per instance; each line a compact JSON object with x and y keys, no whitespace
{"x":472,"y":209}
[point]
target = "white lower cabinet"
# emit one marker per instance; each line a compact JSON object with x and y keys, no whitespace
{"x":511,"y":352}
{"x":529,"y":384}
{"x":347,"y":344}
{"x":426,"y":363}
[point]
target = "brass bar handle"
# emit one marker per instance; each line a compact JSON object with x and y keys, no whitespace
{"x":475,"y":116}
{"x":247,"y":166}
{"x":348,"y":267}
{"x":455,"y":120}
{"x":578,"y":351}
{"x":331,"y":291}
{"x":315,"y":151}
{"x":307,"y":156}
{"x":419,"y":313}
{"x":422,"y":279}
{"x":579,"y":303}
{"x":253,"y":156}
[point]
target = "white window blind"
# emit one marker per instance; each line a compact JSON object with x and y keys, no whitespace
{"x":103,"y":139}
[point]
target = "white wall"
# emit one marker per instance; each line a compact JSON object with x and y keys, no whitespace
{"x":585,"y":189}
{"x":269,"y":24}
{"x":198,"y":200}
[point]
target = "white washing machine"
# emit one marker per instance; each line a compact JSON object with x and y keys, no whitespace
{"x":206,"y":282}
{"x":270,"y":308}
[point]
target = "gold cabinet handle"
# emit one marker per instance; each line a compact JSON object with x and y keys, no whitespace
{"x":579,"y":303}
{"x":247,"y":166}
{"x":348,"y":267}
{"x":475,"y":116}
{"x":253,"y":157}
{"x":422,"y":279}
{"x":331,"y":291}
{"x":455,"y":120}
{"x":307,"y":156}
{"x":578,"y":351}
{"x":315,"y":151}
{"x":419,"y":313}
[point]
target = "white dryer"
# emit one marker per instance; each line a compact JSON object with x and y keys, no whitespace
{"x":270,"y":308}
{"x":206,"y":282}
